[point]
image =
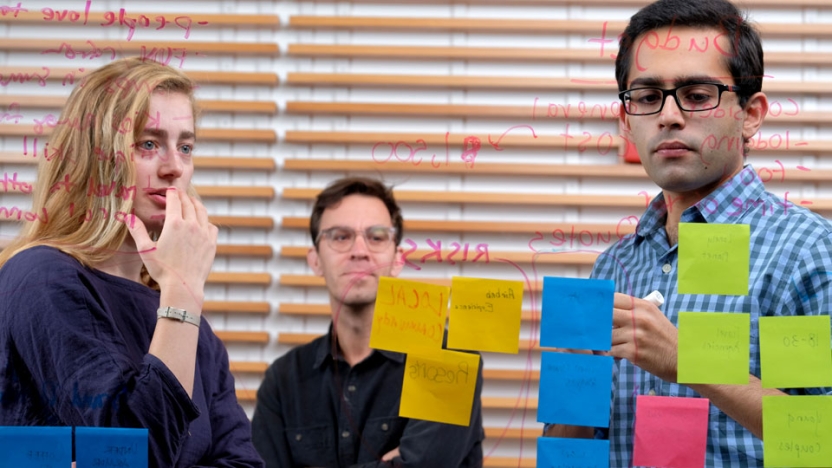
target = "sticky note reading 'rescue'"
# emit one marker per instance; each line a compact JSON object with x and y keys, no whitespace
{"x":35,"y":446}
{"x":577,"y":313}
{"x":713,"y":348}
{"x":670,"y":431}
{"x":797,"y":430}
{"x":409,"y":315}
{"x":108,"y":446}
{"x":794,"y":352}
{"x":713,"y":258}
{"x":574,"y":389}
{"x":553,"y":452}
{"x":485,"y":315}
{"x":439,"y":386}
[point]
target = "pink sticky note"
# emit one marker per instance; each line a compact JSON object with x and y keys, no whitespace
{"x":671,"y":432}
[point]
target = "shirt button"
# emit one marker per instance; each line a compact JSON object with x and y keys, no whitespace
{"x":652,"y":392}
{"x":667,"y":268}
{"x":384,"y":427}
{"x":351,"y":388}
{"x":298,"y":437}
{"x":345,"y":434}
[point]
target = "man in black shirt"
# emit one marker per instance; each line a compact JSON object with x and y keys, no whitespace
{"x":335,"y":401}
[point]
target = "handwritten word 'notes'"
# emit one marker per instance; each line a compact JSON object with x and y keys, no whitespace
{"x":577,"y":313}
{"x":574,"y":389}
{"x":109,"y":446}
{"x":670,"y":431}
{"x":409,"y":315}
{"x":713,"y":258}
{"x":794,"y":352}
{"x":485,"y":315}
{"x":439,"y":386}
{"x":553,"y":452}
{"x":797,"y":430}
{"x":713,"y":348}
{"x":35,"y":446}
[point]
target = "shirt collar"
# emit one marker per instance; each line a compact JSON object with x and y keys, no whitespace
{"x":717,"y":207}
{"x":327,"y":350}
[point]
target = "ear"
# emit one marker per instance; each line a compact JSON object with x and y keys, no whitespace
{"x":398,"y":262}
{"x":755,"y":112}
{"x":314,"y":261}
{"x":623,"y":121}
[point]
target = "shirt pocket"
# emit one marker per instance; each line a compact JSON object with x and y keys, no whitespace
{"x":312,"y":446}
{"x":383,"y":435}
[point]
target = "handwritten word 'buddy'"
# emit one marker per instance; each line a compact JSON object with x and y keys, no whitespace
{"x":119,"y":18}
{"x":439,"y":374}
{"x":471,"y":147}
{"x":672,"y":42}
{"x":455,"y":248}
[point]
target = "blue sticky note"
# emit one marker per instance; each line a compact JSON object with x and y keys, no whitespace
{"x":35,"y":446}
{"x":577,"y":313}
{"x":574,"y":389}
{"x":111,"y":446}
{"x":554,"y":452}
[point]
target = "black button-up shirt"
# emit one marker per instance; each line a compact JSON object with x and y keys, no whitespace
{"x":314,"y":410}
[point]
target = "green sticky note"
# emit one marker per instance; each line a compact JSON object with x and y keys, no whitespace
{"x":794,"y":352}
{"x":713,"y":258}
{"x":713,"y":348}
{"x":797,"y":431}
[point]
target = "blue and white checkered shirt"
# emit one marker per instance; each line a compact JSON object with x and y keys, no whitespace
{"x":790,"y":274}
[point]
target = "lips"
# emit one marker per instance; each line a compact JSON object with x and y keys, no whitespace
{"x":158,"y":196}
{"x":672,"y":149}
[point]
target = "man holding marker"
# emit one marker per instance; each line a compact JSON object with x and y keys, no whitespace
{"x":664,"y":84}
{"x":335,"y":401}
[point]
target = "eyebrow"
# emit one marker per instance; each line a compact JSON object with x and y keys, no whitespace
{"x":656,"y":82}
{"x":161,"y":133}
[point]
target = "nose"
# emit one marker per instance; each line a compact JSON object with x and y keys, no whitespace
{"x":359,"y":247}
{"x":671,"y":115}
{"x":171,"y":166}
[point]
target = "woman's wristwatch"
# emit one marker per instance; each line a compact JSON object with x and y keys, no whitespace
{"x":178,"y":314}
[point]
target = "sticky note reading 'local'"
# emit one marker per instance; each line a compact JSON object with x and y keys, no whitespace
{"x":577,"y":313}
{"x":485,"y":315}
{"x":670,"y":431}
{"x":35,"y":446}
{"x":713,"y":258}
{"x":439,"y":386}
{"x":794,"y":352}
{"x":554,"y":452}
{"x":574,"y":389}
{"x":409,"y":315}
{"x":108,"y":446}
{"x":713,"y":348}
{"x":797,"y":430}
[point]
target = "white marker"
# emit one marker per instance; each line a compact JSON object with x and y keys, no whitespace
{"x":655,"y":298}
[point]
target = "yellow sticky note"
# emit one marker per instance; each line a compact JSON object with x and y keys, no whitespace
{"x":439,"y":386}
{"x":713,"y":258}
{"x":713,"y":348}
{"x":797,"y":430}
{"x":485,"y":315}
{"x":794,"y":352}
{"x":409,"y":315}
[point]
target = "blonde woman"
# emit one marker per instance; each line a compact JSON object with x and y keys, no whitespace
{"x":100,"y":317}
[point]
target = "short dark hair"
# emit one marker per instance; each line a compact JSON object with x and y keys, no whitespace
{"x":342,"y":188}
{"x":745,"y":62}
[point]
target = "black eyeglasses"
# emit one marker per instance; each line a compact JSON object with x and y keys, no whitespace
{"x":341,"y":239}
{"x":690,"y":98}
